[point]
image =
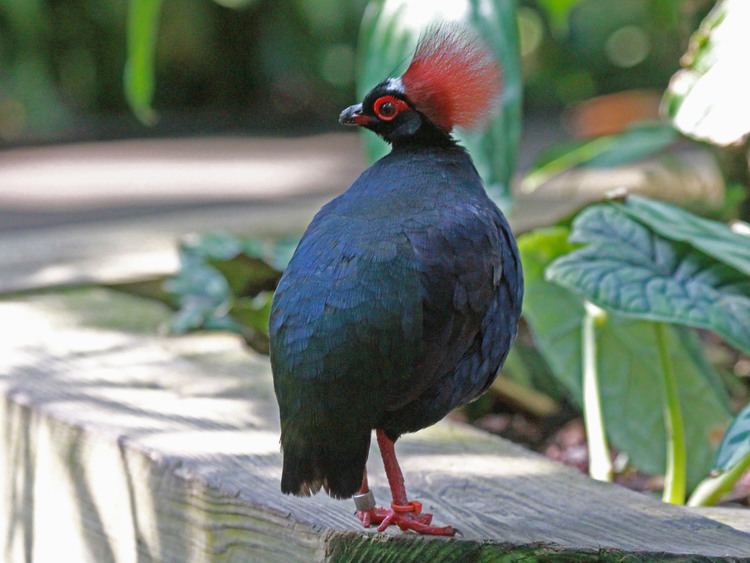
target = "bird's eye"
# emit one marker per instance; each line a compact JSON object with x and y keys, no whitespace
{"x":388,"y":107}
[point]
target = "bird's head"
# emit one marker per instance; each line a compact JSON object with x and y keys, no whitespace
{"x":452,"y":80}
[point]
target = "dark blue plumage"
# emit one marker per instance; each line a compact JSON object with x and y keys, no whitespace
{"x":403,"y":296}
{"x":399,"y":304}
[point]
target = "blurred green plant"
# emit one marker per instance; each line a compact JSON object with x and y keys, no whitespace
{"x":656,"y":268}
{"x":309,"y":39}
{"x":389,"y":34}
{"x":626,"y":367}
{"x":640,"y":140}
{"x":706,"y":101}
{"x":649,"y":261}
{"x":143,"y":28}
{"x":708,"y":98}
{"x":558,"y":13}
{"x":227,"y":283}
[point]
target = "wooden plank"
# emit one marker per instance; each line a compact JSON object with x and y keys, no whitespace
{"x":142,"y":174}
{"x":135,"y":248}
{"x":113,"y":212}
{"x":121,"y":445}
{"x":736,"y":517}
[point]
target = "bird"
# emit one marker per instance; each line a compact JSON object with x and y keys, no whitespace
{"x":403,"y":296}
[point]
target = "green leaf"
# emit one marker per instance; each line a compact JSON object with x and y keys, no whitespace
{"x":710,"y":237}
{"x":226,"y":283}
{"x":389,"y":34}
{"x":142,"y":32}
{"x":635,"y":143}
{"x":254,"y":312}
{"x":736,"y":442}
{"x":554,"y":314}
{"x":236,"y":4}
{"x":558,"y":12}
{"x":628,"y":365}
{"x":708,"y":98}
{"x":628,"y":269}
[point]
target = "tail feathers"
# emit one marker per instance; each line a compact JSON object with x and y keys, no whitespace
{"x":335,"y":463}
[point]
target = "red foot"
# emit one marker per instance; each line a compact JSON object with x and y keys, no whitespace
{"x":408,"y":517}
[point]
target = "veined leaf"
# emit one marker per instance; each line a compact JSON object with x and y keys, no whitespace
{"x":628,"y":269}
{"x":389,"y":34}
{"x":628,"y":363}
{"x":142,"y":31}
{"x":710,"y":237}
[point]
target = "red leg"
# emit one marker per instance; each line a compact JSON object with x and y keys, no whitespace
{"x":406,"y":515}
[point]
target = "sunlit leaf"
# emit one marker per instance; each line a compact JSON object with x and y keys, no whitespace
{"x":628,"y":363}
{"x":627,"y":268}
{"x":389,"y":33}
{"x":142,"y":31}
{"x":708,"y":98}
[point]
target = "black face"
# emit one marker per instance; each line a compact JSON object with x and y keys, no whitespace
{"x":388,"y":112}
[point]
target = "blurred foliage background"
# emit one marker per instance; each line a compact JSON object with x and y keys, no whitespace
{"x":266,"y":66}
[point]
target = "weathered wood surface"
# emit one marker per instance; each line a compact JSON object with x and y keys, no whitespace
{"x":121,"y":445}
{"x":134,"y":248}
{"x":737,"y":517}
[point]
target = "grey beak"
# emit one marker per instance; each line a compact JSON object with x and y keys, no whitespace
{"x":353,"y":116}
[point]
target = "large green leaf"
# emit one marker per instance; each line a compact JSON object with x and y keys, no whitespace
{"x":142,"y":32}
{"x":635,"y":143}
{"x":708,"y":98}
{"x":628,"y":364}
{"x":736,"y":443}
{"x":627,"y":268}
{"x":710,"y":237}
{"x":390,"y":30}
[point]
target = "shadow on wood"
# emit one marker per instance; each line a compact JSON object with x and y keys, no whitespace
{"x":121,"y":445}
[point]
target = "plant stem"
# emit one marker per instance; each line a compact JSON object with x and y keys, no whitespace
{"x":600,"y":463}
{"x":674,"y":480}
{"x":711,"y":489}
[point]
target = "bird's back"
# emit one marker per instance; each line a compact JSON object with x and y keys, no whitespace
{"x":388,"y":314}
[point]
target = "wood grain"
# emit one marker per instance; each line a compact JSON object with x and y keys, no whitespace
{"x":122,"y":445}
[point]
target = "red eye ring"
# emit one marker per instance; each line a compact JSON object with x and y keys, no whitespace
{"x":388,"y":107}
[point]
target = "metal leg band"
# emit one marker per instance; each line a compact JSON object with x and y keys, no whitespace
{"x":364,"y":501}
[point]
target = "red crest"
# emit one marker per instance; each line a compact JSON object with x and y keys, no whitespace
{"x":453,"y":78}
